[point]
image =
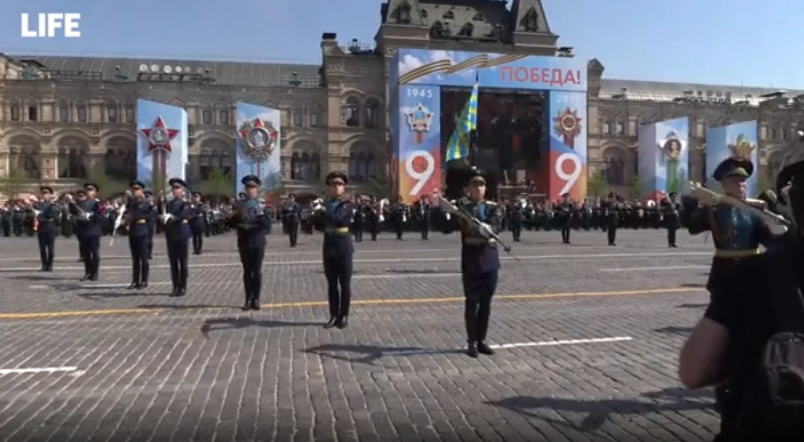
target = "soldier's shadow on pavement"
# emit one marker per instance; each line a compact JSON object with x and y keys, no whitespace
{"x":37,"y":278}
{"x":369,"y":354}
{"x":239,"y":323}
{"x":672,"y":330}
{"x":597,"y":412}
{"x":97,"y":294}
{"x":188,"y":306}
{"x":694,"y":285}
{"x":693,"y":305}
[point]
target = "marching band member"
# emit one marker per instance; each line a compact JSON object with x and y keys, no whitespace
{"x":357,"y":218}
{"x":737,"y":236}
{"x":140,"y":214}
{"x":565,"y":209}
{"x":424,"y":216}
{"x":47,"y":227}
{"x":480,"y":261}
{"x":291,"y":216}
{"x":336,"y":217}
{"x":374,"y":209}
{"x":399,"y":216}
{"x":88,"y":217}
{"x":197,"y":222}
{"x":176,"y":221}
{"x":252,"y":224}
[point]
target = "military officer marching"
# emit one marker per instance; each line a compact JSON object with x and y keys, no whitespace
{"x":291,"y":215}
{"x":252,"y":223}
{"x":197,"y":222}
{"x":175,"y":216}
{"x":88,"y":217}
{"x":46,"y":225}
{"x":336,"y":219}
{"x":480,"y":260}
{"x":140,"y":213}
{"x":565,"y":211}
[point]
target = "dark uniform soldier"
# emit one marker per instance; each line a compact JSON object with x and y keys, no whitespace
{"x":424,"y":216}
{"x":252,"y":223}
{"x":336,"y":219}
{"x":197,"y":222}
{"x":612,"y":213}
{"x":373,"y":217}
{"x":5,"y":220}
{"x":291,"y":214}
{"x":565,"y":209}
{"x":517,"y":216}
{"x":140,"y":214}
{"x":88,"y":219}
{"x":149,"y":196}
{"x":358,"y":217}
{"x":480,"y":261}
{"x":47,"y":227}
{"x":671,"y":218}
{"x":399,"y":216}
{"x":176,"y":223}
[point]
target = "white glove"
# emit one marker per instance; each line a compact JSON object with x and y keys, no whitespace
{"x":447,"y":215}
{"x":485,"y":230}
{"x":166,"y":217}
{"x":87,"y":216}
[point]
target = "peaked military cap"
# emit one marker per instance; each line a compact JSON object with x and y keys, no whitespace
{"x":733,"y":167}
{"x":136,"y":184}
{"x":251,"y":180}
{"x":476,"y":176}
{"x":337,"y":176}
{"x":196,"y":193}
{"x":46,"y":189}
{"x":177,"y":182}
{"x":91,"y":186}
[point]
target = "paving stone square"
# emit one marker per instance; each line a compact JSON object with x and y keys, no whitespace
{"x":586,"y":338}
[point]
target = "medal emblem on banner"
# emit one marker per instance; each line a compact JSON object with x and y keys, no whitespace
{"x":742,"y":148}
{"x":672,"y":147}
{"x":419,"y":119}
{"x":259,"y":139}
{"x":568,"y":126}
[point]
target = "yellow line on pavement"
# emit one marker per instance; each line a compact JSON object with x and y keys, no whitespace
{"x":283,"y":305}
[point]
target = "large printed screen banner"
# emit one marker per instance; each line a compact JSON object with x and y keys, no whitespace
{"x":162,"y":146}
{"x":737,"y":140}
{"x":417,"y":76}
{"x":663,"y":149}
{"x":258,"y":146}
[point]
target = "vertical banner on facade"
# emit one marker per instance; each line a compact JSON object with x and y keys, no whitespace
{"x":419,"y":138}
{"x":566,"y":167}
{"x":663,"y":158}
{"x":162,"y":146}
{"x":737,"y":140}
{"x":258,"y":147}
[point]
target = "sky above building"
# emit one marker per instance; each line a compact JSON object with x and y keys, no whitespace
{"x":729,"y":42}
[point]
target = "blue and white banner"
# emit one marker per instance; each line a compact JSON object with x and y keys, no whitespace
{"x":735,"y":140}
{"x":162,"y":143}
{"x":259,"y":145}
{"x":663,"y":158}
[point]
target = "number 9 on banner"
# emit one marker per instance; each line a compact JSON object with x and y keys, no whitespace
{"x":569,"y":178}
{"x":419,"y":166}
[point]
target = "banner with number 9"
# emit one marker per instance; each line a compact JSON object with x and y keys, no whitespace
{"x":419,"y":141}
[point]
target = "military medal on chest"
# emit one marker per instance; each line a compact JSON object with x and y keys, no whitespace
{"x":159,"y":137}
{"x":259,"y":140}
{"x":568,"y":126}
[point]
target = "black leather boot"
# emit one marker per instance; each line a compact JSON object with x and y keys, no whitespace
{"x":333,"y":321}
{"x":484,"y":349}
{"x":343,"y":322}
{"x":472,"y":351}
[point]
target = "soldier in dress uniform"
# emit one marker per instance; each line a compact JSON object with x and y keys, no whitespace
{"x":336,"y":219}
{"x":612,"y":210}
{"x":565,"y":209}
{"x":88,"y":218}
{"x":291,"y":214}
{"x":424,"y":216}
{"x":252,"y":222}
{"x":197,"y":222}
{"x":176,"y":223}
{"x":140,"y":213}
{"x":5,"y":220}
{"x":516,"y":216}
{"x":480,"y":260}
{"x":47,"y":227}
{"x":358,"y":219}
{"x":149,"y":196}
{"x":399,"y":216}
{"x":671,"y":217}
{"x":373,"y":217}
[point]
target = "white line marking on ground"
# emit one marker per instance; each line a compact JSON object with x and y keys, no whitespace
{"x":5,"y":371}
{"x":90,"y":286}
{"x":639,"y":269}
{"x":443,"y":259}
{"x":562,"y":342}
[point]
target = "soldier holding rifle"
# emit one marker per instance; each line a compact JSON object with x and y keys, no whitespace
{"x":479,"y":222}
{"x":140,"y":213}
{"x":175,"y":216}
{"x":87,"y":215}
{"x":46,"y":225}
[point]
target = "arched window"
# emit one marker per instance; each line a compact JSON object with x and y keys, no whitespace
{"x":362,"y":164}
{"x":24,"y":156}
{"x":121,"y":158}
{"x":449,"y":15}
{"x":351,"y":112}
{"x":620,"y":128}
{"x":372,"y":113}
{"x":305,"y":166}
{"x":606,"y":127}
{"x":206,"y":117}
{"x":297,"y":119}
{"x":111,"y":112}
{"x":466,"y":30}
{"x":81,"y":112}
{"x":216,"y":155}
{"x":128,"y":108}
{"x":14,"y":111}
{"x":313,"y":119}
{"x":72,"y":153}
{"x":614,"y":166}
{"x":64,"y":112}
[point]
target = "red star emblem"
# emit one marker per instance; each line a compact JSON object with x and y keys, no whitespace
{"x":258,"y":124}
{"x":159,"y":135}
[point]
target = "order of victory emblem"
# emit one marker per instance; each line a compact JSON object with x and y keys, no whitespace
{"x":259,"y":138}
{"x":568,"y":125}
{"x":419,"y":119}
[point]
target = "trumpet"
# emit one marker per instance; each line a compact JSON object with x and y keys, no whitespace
{"x":383,"y":202}
{"x":119,"y":219}
{"x":777,"y":224}
{"x":318,"y":205}
{"x":78,"y":209}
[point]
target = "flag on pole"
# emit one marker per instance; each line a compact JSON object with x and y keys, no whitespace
{"x":458,"y":145}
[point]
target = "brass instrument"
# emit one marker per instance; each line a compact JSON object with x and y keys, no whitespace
{"x":120,"y":212}
{"x":777,"y":224}
{"x":383,"y":202}
{"x":78,"y":209}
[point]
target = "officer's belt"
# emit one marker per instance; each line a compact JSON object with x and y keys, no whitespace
{"x":141,"y":221}
{"x":736,"y":253}
{"x":475,"y":241}
{"x":338,"y":230}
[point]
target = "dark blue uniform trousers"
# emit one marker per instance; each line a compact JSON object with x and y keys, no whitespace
{"x":47,"y":245}
{"x":139,"y":257}
{"x":338,"y":270}
{"x":252,"y":259}
{"x":178,"y":255}
{"x":478,"y":290}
